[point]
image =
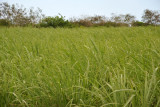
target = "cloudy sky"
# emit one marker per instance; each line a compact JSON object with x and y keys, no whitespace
{"x":70,"y":8}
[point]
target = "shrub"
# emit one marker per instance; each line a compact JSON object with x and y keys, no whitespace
{"x":85,"y":22}
{"x":114,"y":24}
{"x":57,"y":21}
{"x":4,"y":22}
{"x":89,"y":21}
{"x":137,"y":23}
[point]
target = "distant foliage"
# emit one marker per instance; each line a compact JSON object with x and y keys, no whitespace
{"x":57,"y":21}
{"x":4,"y":22}
{"x":114,"y":24}
{"x":114,"y":21}
{"x":126,"y":19}
{"x":89,"y":21}
{"x":151,"y":17}
{"x":138,"y":23}
{"x":18,"y":15}
{"x":82,"y":22}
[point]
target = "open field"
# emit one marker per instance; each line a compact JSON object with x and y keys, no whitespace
{"x":82,"y":67}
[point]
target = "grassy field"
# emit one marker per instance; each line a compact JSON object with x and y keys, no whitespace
{"x":80,"y":67}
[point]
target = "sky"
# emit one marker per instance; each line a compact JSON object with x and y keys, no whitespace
{"x":78,"y":8}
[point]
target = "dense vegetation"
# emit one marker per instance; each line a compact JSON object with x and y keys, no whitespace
{"x":15,"y":15}
{"x":99,"y":66}
{"x":57,"y":21}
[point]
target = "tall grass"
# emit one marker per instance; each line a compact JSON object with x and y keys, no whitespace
{"x":98,"y":67}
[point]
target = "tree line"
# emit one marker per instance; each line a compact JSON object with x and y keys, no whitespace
{"x":16,"y":15}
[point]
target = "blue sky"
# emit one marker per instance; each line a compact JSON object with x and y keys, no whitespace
{"x":70,"y":8}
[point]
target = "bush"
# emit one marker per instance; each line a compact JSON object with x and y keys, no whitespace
{"x":114,"y":24}
{"x":4,"y":22}
{"x":57,"y":21}
{"x":137,"y":23}
{"x":85,"y":22}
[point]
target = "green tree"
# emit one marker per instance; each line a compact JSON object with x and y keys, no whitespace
{"x":57,"y":21}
